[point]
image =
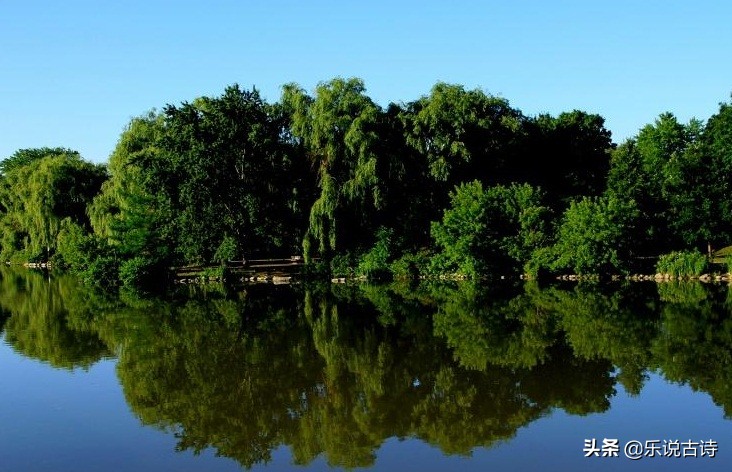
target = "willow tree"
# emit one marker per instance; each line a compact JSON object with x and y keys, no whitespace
{"x":463,"y":134}
{"x":338,"y":128}
{"x":37,"y":196}
{"x":23,"y":157}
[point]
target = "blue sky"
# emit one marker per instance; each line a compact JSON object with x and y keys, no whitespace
{"x":73,"y":72}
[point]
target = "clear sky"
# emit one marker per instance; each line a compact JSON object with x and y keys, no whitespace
{"x":73,"y":72}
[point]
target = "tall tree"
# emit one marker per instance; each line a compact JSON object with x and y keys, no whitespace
{"x":568,"y":156}
{"x":130,"y":214}
{"x":464,"y":134}
{"x":218,"y":169}
{"x":23,"y":157}
{"x":338,"y":128}
{"x":653,"y":169}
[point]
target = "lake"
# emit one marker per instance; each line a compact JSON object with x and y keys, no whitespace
{"x":516,"y":376}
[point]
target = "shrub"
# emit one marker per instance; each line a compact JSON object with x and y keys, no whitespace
{"x":226,"y":251}
{"x":343,"y":265}
{"x":374,"y":264}
{"x":594,"y":236}
{"x":684,"y":264}
{"x":411,"y":265}
{"x":103,"y":270}
{"x":315,"y":270}
{"x":73,"y":246}
{"x":137,"y":272}
{"x":489,"y":230}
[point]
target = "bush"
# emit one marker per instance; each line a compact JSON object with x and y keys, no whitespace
{"x":315,"y":271}
{"x":489,"y":230}
{"x":103,"y":270}
{"x":374,"y":264}
{"x":343,"y":265}
{"x":137,"y":272}
{"x":411,"y":265}
{"x":594,"y":237}
{"x":86,"y":255}
{"x":73,"y":247}
{"x":683,"y":264}
{"x":226,"y":251}
{"x":540,"y":262}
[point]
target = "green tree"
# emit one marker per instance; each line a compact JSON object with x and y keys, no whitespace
{"x":489,"y":230}
{"x":23,"y":157}
{"x":338,"y":128}
{"x":701,"y":209}
{"x":187,"y":180}
{"x":661,"y":170}
{"x":37,"y":196}
{"x":225,"y":172}
{"x":594,"y":236}
{"x":568,"y":156}
{"x":463,"y":134}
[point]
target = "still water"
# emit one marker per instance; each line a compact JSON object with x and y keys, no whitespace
{"x":433,"y":377}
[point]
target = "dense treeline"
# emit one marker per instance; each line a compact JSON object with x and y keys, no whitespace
{"x":456,"y":182}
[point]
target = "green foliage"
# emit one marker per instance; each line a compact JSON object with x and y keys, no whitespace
{"x":74,"y":246}
{"x":138,"y":273}
{"x":338,"y":128}
{"x":490,"y":230}
{"x":463,"y":134}
{"x":23,"y":157}
{"x":320,"y":270}
{"x":123,"y":211}
{"x":374,"y":263}
{"x":343,"y":265}
{"x":673,"y":173}
{"x":568,"y":156}
{"x":187,"y":179}
{"x":595,"y":236}
{"x":227,"y":251}
{"x":102,"y":270}
{"x":458,"y":174}
{"x":684,"y":264}
{"x":227,"y":169}
{"x":411,"y":265}
{"x":37,"y":193}
{"x":87,"y":255}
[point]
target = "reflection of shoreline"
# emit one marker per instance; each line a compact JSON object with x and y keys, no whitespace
{"x":339,"y":370}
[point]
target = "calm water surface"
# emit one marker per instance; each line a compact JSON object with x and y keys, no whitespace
{"x":434,"y":377}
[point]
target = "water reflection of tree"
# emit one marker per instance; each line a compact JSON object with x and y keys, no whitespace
{"x":4,"y":315}
{"x":336,"y":371}
{"x":35,"y":320}
{"x":695,"y":345}
{"x":329,"y":378}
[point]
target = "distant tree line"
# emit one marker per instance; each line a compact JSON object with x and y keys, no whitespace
{"x":457,"y":182}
